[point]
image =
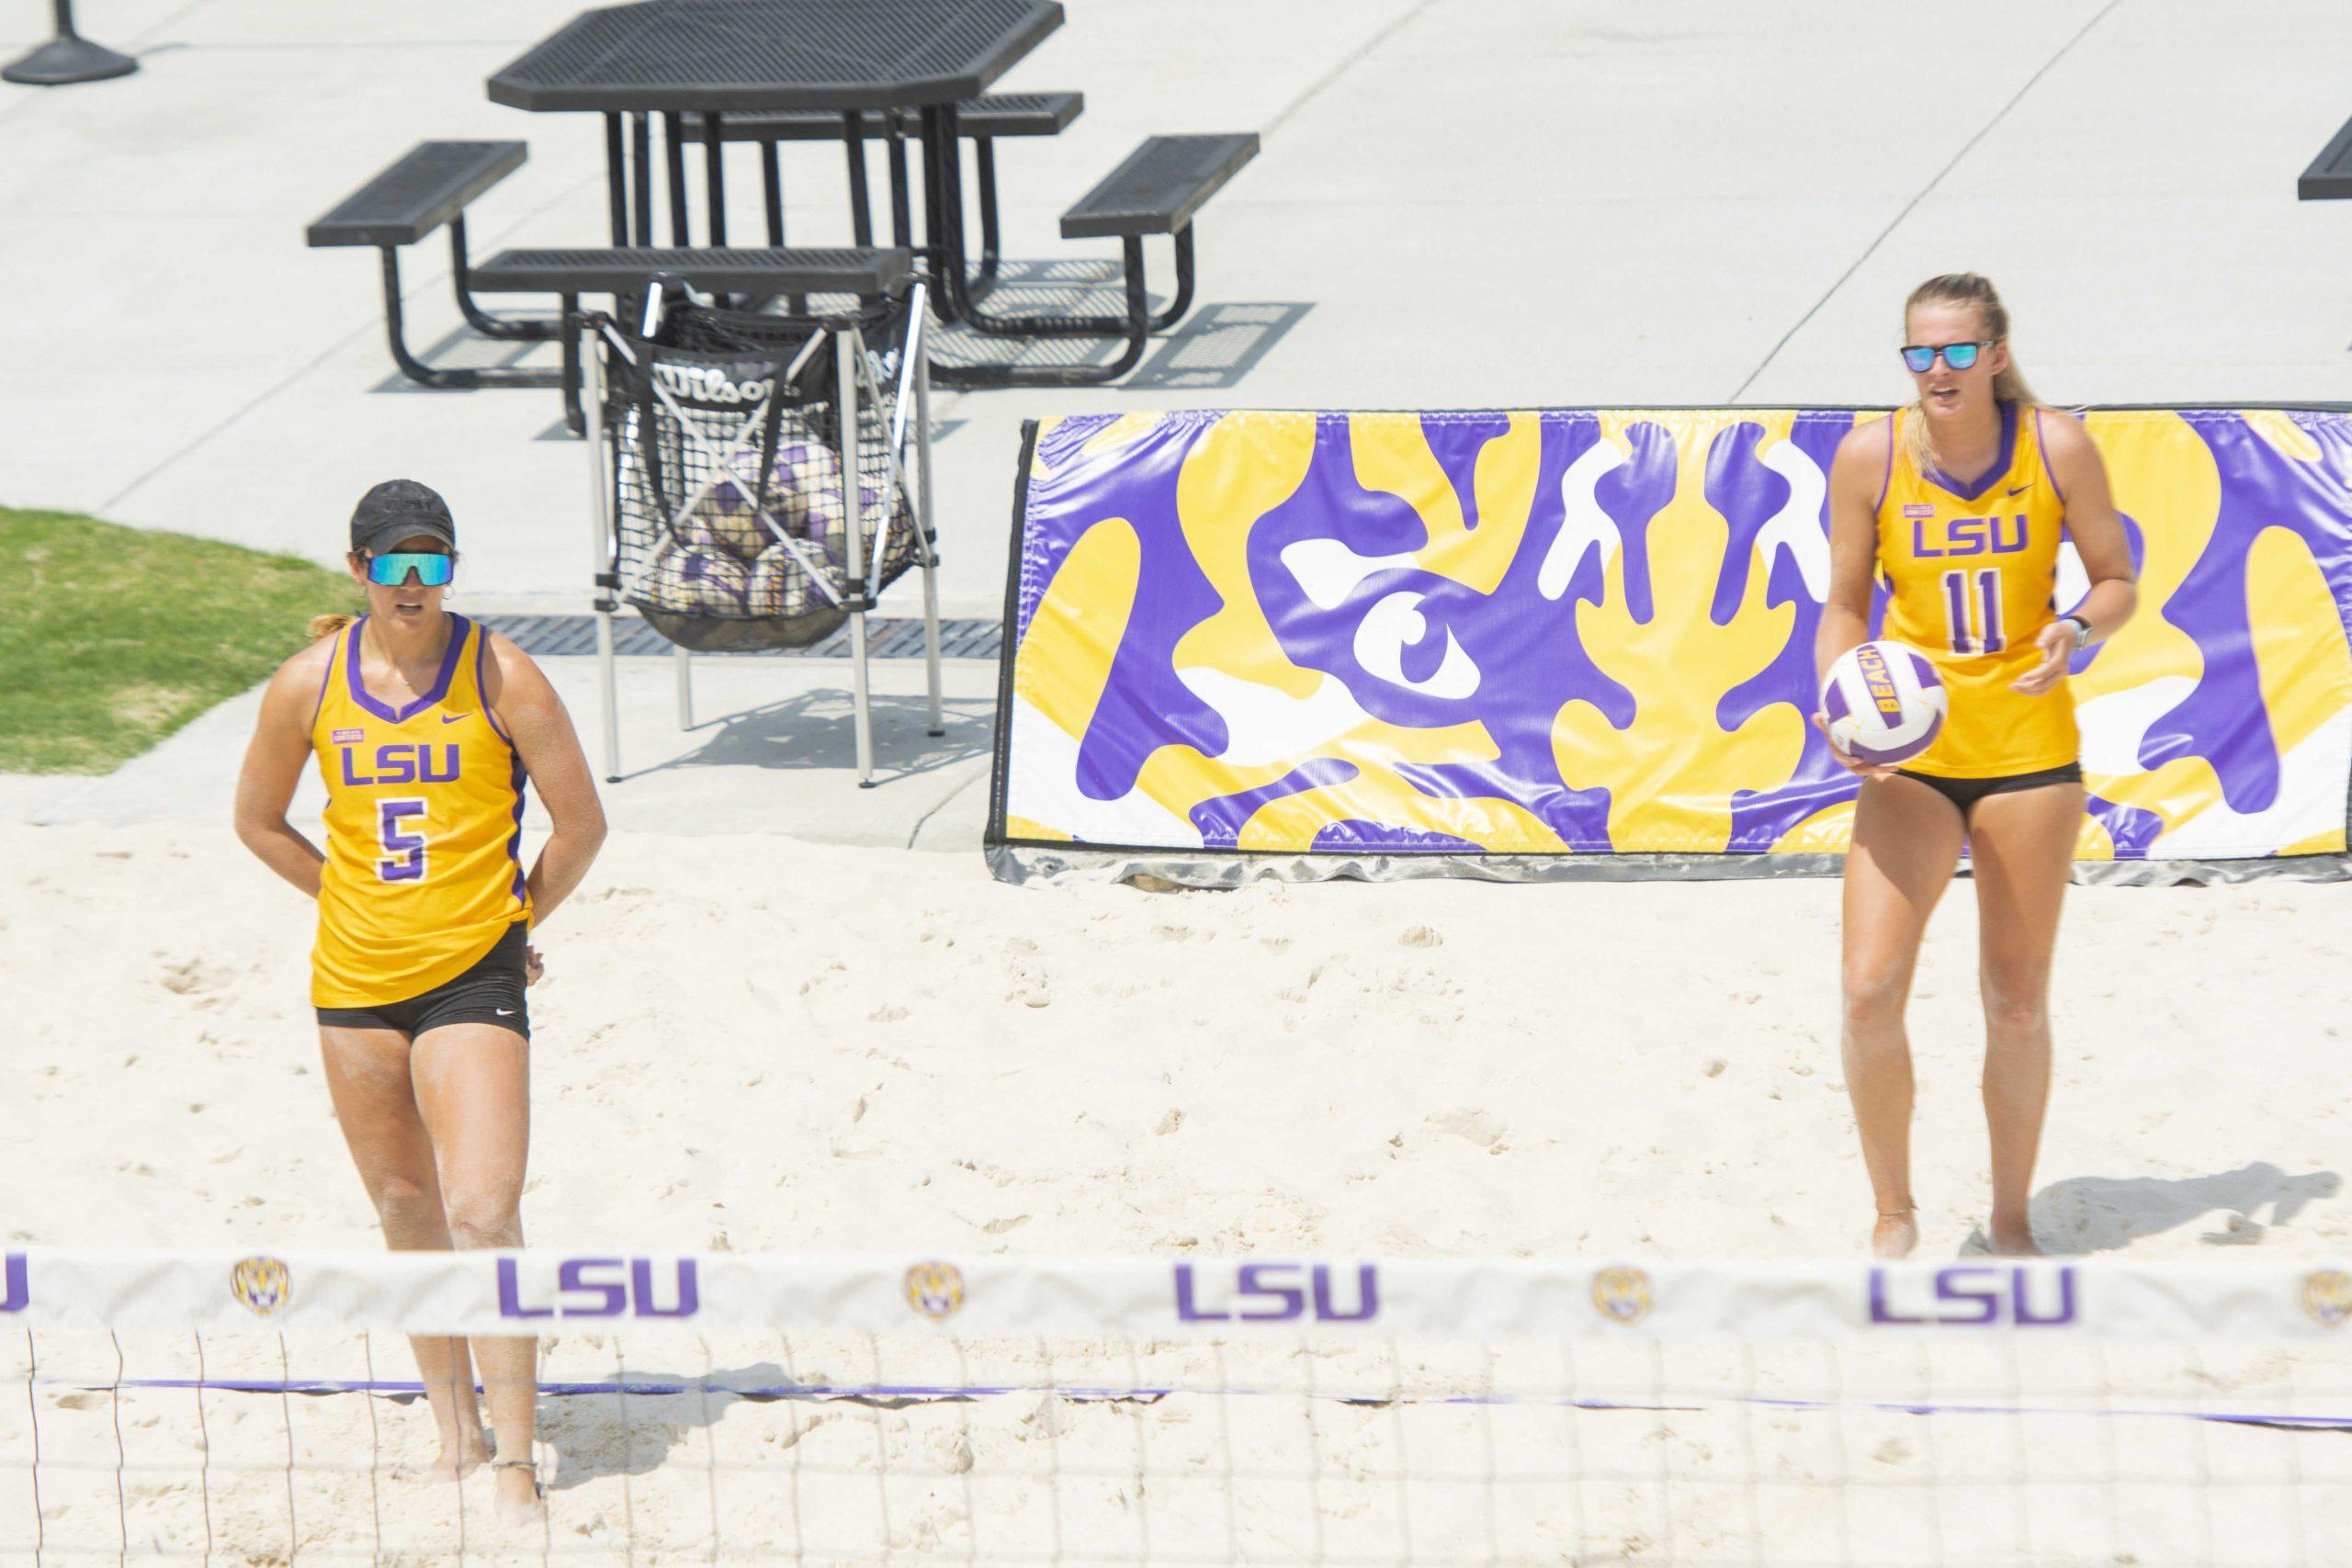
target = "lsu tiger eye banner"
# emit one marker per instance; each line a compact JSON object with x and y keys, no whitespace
{"x":1579,"y":642}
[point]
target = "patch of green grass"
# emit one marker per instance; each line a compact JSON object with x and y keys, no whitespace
{"x":112,"y":637}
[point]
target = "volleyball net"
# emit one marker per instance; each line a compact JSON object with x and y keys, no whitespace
{"x":246,"y":1407}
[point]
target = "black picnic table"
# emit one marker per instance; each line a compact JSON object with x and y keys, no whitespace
{"x":2330,"y":177}
{"x":713,"y":57}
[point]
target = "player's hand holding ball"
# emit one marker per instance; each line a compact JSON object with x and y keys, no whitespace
{"x":1882,"y":705}
{"x":1846,"y":760}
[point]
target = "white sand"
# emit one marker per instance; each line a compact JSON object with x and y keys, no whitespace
{"x":758,"y":1045}
{"x":755,"y":1043}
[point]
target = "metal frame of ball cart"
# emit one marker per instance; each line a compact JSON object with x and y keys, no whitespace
{"x":862,"y":579}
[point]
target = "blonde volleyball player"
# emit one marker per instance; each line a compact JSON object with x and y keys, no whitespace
{"x":1957,"y":504}
{"x":426,"y":727}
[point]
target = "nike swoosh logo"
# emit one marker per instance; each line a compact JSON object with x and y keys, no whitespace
{"x":2018,"y":490}
{"x":454,"y":717}
{"x":504,"y":1012}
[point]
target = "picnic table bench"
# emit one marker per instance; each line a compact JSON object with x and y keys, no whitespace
{"x":1156,"y":190}
{"x":425,"y":188}
{"x":767,"y":72}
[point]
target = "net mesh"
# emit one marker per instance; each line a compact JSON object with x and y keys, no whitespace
{"x":1231,"y":1436}
{"x":724,"y":434}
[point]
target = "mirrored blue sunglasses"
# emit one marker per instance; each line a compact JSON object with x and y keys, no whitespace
{"x":1919,"y":358}
{"x":392,"y":571}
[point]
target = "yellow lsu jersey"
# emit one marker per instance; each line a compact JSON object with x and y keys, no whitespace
{"x":424,"y":827}
{"x":1971,"y":571}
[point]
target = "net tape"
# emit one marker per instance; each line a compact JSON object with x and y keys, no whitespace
{"x":909,"y":1408}
{"x":509,"y":1293}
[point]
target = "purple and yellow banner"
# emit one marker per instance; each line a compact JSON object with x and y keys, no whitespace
{"x":1459,"y":640}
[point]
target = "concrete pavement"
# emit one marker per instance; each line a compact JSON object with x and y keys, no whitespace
{"x":770,"y":750}
{"x":1460,"y":202}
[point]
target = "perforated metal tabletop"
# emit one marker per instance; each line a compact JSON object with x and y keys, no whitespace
{"x":732,"y":55}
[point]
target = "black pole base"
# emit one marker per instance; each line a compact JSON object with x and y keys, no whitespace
{"x":62,"y":61}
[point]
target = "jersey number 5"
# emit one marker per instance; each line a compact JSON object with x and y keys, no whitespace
{"x":1972,"y":611}
{"x":403,"y":859}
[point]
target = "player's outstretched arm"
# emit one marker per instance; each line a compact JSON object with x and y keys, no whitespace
{"x":2081,"y":477}
{"x":275,"y":759}
{"x":528,"y":709}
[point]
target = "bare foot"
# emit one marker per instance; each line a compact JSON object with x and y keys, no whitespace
{"x":1894,"y":1234}
{"x":450,"y":1464}
{"x":2013,"y":1238}
{"x":517,"y":1492}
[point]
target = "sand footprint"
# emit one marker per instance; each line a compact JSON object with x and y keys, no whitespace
{"x":1467,"y":1122}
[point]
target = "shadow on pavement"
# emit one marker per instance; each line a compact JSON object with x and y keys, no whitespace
{"x":814,"y":730}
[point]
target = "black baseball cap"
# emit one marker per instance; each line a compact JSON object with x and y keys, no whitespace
{"x":397,"y":510}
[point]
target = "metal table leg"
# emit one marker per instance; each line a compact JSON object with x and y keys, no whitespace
{"x":928,"y":253}
{"x":956,"y":281}
{"x":517,"y":329}
{"x":674,"y":148}
{"x":568,"y":327}
{"x":902,"y":219}
{"x":861,"y":206}
{"x":714,"y":175}
{"x":771,"y":176}
{"x":934,"y":123}
{"x":617,"y":178}
{"x":640,"y":127}
{"x":453,"y":377}
{"x":944,"y":185}
{"x":984,"y":160}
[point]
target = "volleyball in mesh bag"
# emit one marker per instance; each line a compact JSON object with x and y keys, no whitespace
{"x":1882,"y":703}
{"x":780,"y":585}
{"x":729,"y":513}
{"x":827,"y":524}
{"x":697,"y":580}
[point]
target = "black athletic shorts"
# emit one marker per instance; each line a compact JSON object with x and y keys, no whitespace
{"x":1965,"y":792}
{"x":490,"y":992}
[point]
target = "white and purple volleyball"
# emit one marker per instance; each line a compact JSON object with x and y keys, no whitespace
{"x":725,"y":517}
{"x":694,"y":579}
{"x":700,"y":529}
{"x":805,"y":476}
{"x":827,"y":523}
{"x":730,"y":513}
{"x":1883,"y":703}
{"x":780,"y":585}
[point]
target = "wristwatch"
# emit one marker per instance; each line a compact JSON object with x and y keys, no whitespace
{"x":2082,"y":631}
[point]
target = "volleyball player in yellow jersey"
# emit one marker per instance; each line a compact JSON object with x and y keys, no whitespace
{"x":426,"y":728}
{"x":1957,"y":503}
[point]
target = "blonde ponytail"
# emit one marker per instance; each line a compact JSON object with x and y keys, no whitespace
{"x":327,"y":626}
{"x":1975,"y":291}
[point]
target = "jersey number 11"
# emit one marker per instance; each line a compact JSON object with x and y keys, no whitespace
{"x":1973,"y":610}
